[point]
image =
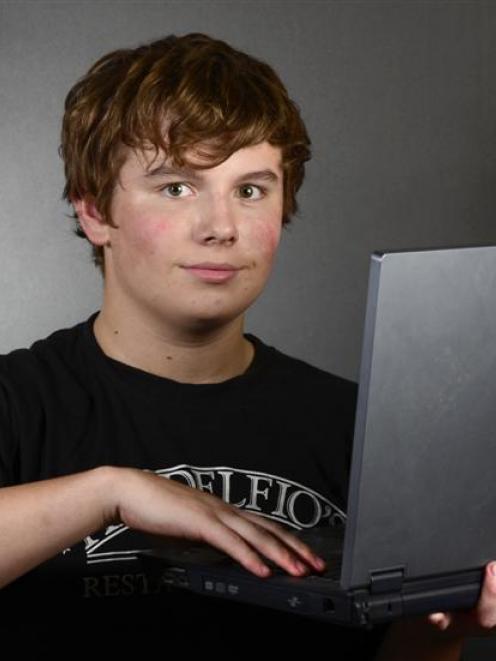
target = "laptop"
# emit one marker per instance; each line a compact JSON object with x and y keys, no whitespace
{"x":420,"y":524}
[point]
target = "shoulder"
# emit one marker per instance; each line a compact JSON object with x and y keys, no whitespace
{"x":295,"y":373}
{"x":45,"y":359}
{"x":36,"y":385}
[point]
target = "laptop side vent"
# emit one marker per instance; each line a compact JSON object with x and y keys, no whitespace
{"x":387,"y":580}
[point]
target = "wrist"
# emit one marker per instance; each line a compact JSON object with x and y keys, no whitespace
{"x":107,"y":484}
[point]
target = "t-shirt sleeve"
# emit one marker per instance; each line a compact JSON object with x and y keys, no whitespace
{"x":8,"y":449}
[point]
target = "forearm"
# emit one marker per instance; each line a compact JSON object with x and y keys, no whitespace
{"x":40,"y":519}
{"x":416,"y":639}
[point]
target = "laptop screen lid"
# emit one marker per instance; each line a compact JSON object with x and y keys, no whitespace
{"x":422,"y":495}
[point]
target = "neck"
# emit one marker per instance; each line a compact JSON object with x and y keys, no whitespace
{"x":188,"y":356}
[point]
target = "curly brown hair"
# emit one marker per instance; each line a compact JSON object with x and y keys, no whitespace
{"x":203,"y":89}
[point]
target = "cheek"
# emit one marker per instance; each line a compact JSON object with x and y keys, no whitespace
{"x":145,"y":235}
{"x":267,"y":238}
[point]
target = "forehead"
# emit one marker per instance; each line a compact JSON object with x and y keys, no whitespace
{"x":254,"y":157}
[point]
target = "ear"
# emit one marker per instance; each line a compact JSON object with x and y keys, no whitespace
{"x":92,"y":222}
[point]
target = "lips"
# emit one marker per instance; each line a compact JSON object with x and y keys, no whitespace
{"x":213,"y":266}
{"x":213,"y":272}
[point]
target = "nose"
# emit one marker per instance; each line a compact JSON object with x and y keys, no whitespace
{"x":216,"y":222}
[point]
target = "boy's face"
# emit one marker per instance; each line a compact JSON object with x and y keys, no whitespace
{"x":194,"y":249}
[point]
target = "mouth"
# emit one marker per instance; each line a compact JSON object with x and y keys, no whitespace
{"x":213,"y":272}
{"x":213,"y":266}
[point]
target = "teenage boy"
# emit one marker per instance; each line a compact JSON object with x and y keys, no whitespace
{"x":182,"y":160}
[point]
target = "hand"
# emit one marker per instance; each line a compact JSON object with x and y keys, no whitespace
{"x":415,"y":638}
{"x":153,"y":504}
{"x":480,"y":620}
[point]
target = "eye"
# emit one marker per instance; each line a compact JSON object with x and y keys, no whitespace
{"x":176,"y":189}
{"x":252,"y":192}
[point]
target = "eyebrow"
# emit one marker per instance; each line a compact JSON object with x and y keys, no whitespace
{"x":163,"y":170}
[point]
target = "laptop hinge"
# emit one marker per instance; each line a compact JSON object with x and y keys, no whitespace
{"x":387,"y":580}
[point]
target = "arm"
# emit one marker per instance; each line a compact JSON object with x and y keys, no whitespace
{"x":40,"y":519}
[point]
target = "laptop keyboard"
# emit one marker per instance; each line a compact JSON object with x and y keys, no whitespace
{"x":327,"y":543}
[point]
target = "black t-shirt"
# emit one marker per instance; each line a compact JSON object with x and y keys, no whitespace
{"x":275,"y":440}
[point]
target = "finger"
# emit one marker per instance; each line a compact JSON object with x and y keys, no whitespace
{"x":441,"y":620}
{"x":302,"y":549}
{"x":229,"y":541}
{"x":264,"y":537}
{"x":486,"y":606}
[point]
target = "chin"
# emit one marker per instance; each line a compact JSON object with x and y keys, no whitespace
{"x":209,"y":322}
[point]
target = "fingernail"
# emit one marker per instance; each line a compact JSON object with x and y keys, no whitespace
{"x":492,"y":568}
{"x":320,"y":563}
{"x":264,"y":570}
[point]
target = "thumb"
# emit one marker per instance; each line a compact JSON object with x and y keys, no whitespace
{"x":486,"y":607}
{"x":441,"y":620}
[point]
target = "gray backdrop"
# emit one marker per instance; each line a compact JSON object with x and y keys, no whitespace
{"x":400,"y":102}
